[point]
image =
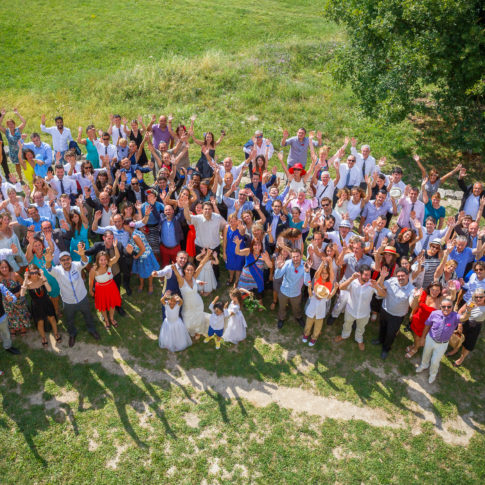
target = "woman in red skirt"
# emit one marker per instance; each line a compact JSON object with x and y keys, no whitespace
{"x":106,"y":295}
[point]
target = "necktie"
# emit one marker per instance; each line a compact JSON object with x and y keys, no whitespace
{"x":376,"y":238}
{"x":119,"y":129}
{"x":426,"y":241}
{"x":347,"y":180}
{"x":62,"y":187}
{"x":106,"y":152}
{"x":412,"y":207}
{"x":363,"y":169}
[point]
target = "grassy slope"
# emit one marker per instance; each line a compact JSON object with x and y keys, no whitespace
{"x":228,"y":64}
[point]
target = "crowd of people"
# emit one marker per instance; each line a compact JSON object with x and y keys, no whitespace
{"x":338,"y":232}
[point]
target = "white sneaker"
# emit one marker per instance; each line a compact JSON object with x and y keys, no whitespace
{"x":304,"y":339}
{"x":420,"y":368}
{"x":312,"y":343}
{"x":431,"y":379}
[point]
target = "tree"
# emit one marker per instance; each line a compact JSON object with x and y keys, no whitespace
{"x":405,"y":56}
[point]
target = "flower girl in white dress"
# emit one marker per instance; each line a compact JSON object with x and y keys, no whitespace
{"x":236,"y":325}
{"x":173,"y":334}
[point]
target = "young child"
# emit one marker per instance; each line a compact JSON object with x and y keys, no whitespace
{"x":122,"y":148}
{"x":236,"y":325}
{"x":207,"y":273}
{"x":319,"y":297}
{"x":173,"y":334}
{"x":216,"y":322}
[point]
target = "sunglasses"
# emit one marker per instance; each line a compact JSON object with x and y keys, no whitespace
{"x":325,"y":205}
{"x":34,"y":273}
{"x":446,"y":306}
{"x":135,"y":183}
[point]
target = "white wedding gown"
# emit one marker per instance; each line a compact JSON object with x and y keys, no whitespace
{"x":193,"y":315}
{"x":173,"y":334}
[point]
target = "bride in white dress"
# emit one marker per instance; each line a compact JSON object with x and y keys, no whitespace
{"x":193,"y":315}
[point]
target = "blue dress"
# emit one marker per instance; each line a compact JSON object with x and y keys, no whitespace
{"x":79,"y":236}
{"x":234,"y":262}
{"x":40,"y":263}
{"x":145,"y":265}
{"x":13,"y":148}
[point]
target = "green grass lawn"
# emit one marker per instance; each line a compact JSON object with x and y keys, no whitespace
{"x":69,"y":418}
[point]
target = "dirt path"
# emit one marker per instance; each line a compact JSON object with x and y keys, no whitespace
{"x":457,"y":431}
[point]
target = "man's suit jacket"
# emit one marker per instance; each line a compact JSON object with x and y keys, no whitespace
{"x":467,"y":190}
{"x":62,"y":239}
{"x":178,"y":219}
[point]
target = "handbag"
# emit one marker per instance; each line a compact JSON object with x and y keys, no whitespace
{"x":457,"y":339}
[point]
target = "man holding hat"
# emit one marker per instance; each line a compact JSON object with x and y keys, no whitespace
{"x":73,"y":290}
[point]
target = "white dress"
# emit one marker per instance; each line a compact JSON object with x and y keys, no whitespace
{"x":236,"y":325}
{"x":195,"y":320}
{"x":207,"y":274}
{"x":173,"y":334}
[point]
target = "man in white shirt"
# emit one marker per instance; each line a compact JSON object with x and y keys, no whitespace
{"x":61,"y":136}
{"x":429,"y":234}
{"x":106,"y":149}
{"x":208,"y":227}
{"x":361,"y":289}
{"x":117,"y":130}
{"x":350,"y":174}
{"x":411,"y":208}
{"x":262,"y":145}
{"x":325,"y":187}
{"x":63,"y":184}
{"x":73,"y":291}
{"x":342,"y":235}
{"x":365,"y":162}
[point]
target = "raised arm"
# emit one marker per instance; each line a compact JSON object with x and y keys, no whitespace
{"x":22,"y":119}
{"x":449,"y":174}
{"x":420,"y":165}
{"x":283,"y":165}
{"x":424,"y":191}
{"x":204,"y":260}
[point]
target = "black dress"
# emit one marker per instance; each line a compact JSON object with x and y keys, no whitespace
{"x":41,"y":305}
{"x":143,"y":160}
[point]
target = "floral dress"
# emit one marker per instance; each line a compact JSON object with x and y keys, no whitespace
{"x":13,"y":148}
{"x":147,"y":263}
{"x":17,"y":312}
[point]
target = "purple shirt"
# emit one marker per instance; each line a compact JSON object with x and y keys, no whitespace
{"x":442,"y":327}
{"x":160,"y":135}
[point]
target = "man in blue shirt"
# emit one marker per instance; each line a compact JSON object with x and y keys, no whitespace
{"x":299,"y":146}
{"x":258,"y":188}
{"x":463,"y":255}
{"x":34,"y":218}
{"x":43,"y":154}
{"x":292,"y":272}
{"x":171,"y":234}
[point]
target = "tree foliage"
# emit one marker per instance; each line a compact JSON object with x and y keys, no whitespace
{"x":405,"y":56}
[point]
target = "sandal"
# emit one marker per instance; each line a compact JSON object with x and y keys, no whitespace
{"x":409,"y":347}
{"x":58,"y":337}
{"x":410,"y":353}
{"x":455,"y":364}
{"x":114,"y":323}
{"x":44,"y":343}
{"x":229,"y":282}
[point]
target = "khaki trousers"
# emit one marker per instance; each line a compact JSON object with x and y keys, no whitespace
{"x":316,"y":324}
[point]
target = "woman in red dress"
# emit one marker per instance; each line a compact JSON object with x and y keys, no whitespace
{"x":423,"y":303}
{"x":106,"y":295}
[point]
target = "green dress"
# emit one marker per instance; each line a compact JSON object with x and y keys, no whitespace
{"x":92,"y":154}
{"x":40,"y":263}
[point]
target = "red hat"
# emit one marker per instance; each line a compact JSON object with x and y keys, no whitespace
{"x":297,"y":166}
